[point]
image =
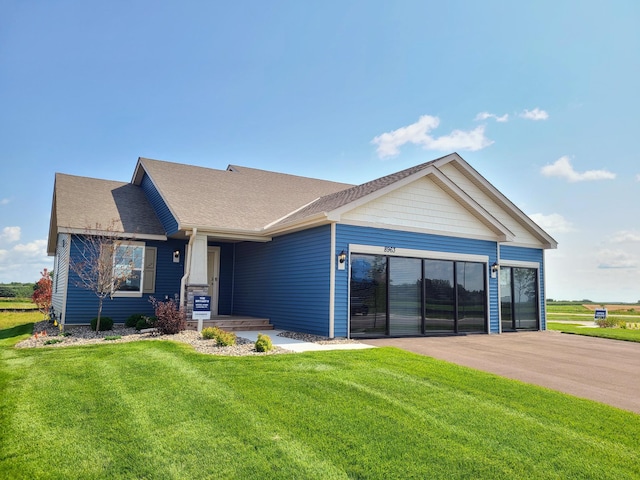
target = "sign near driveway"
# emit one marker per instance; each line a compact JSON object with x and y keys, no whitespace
{"x":600,"y":313}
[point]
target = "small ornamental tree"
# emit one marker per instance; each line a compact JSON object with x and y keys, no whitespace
{"x":42,"y":293}
{"x":170,"y":318}
{"x":94,"y":263}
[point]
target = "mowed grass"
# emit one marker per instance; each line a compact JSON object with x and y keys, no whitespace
{"x":161,"y":410}
{"x":631,"y":335}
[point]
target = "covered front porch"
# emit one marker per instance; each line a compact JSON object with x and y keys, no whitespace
{"x":232,"y":323}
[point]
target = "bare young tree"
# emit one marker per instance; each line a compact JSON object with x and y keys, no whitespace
{"x":102,"y":263}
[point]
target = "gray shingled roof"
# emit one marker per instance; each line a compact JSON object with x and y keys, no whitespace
{"x":239,"y":198}
{"x":344,"y":197}
{"x":81,"y":203}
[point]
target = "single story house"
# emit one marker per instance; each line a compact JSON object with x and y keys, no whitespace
{"x":433,"y":249}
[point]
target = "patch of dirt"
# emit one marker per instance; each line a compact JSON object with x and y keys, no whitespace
{"x":610,"y":308}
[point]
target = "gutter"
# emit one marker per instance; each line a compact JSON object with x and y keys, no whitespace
{"x":187,"y":266}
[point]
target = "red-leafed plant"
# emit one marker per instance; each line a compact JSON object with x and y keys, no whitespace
{"x":42,"y":293}
{"x":169,"y":317}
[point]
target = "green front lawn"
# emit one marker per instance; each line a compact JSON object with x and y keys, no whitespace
{"x":160,"y":410}
{"x":631,"y":335}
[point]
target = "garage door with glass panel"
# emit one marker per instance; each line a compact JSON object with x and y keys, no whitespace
{"x":404,"y":296}
{"x":519,"y":298}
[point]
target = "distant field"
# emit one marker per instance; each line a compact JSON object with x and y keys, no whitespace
{"x":588,"y":308}
{"x":17,"y":303}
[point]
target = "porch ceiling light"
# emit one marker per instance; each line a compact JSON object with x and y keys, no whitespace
{"x":342,"y":257}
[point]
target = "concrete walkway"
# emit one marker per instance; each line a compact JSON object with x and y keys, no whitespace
{"x":299,"y":345}
{"x":604,"y":370}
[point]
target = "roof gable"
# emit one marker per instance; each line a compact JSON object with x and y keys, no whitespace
{"x":504,"y":219}
{"x":237,"y":199}
{"x":82,"y":203}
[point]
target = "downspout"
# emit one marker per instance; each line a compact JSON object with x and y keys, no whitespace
{"x":187,"y":267}
{"x":332,"y":283}
{"x":499,"y":295}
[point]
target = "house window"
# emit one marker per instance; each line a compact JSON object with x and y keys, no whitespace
{"x":128,"y":261}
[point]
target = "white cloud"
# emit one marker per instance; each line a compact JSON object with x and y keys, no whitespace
{"x":638,"y":177}
{"x":563,"y":168}
{"x":389,"y":143}
{"x":4,"y":201}
{"x":625,"y":236}
{"x":10,"y":234}
{"x":616,"y":259}
{"x":486,"y":115}
{"x":24,"y":262}
{"x":31,"y":249}
{"x":553,"y":223}
{"x":535,"y":114}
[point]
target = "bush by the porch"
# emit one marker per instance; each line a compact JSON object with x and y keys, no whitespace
{"x":170,"y":318}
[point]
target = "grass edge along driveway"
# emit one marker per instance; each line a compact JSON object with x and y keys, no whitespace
{"x":161,"y":410}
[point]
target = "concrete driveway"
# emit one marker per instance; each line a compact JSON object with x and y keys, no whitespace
{"x":607,"y":371}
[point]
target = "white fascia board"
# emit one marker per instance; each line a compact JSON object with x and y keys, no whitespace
{"x":503,"y":233}
{"x":315,"y":220}
{"x":229,"y":234}
{"x":472,"y":206}
{"x":266,"y":227}
{"x":547,"y":240}
{"x":106,"y":233}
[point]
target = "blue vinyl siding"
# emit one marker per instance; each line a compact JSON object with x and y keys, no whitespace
{"x":348,"y":234}
{"x":168,"y":221}
{"x":82,"y":304}
{"x":536,"y":255}
{"x":286,"y":280}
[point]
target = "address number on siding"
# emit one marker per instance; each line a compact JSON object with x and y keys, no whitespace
{"x":389,"y":249}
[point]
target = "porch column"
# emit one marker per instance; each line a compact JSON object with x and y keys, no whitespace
{"x":197,"y":283}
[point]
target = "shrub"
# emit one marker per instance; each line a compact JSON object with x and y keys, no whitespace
{"x":263,"y":343}
{"x":106,"y":323}
{"x":145,"y":322}
{"x":133,"y":320}
{"x":222,"y":337}
{"x":226,"y":339}
{"x":208,"y":333}
{"x":112,"y":337}
{"x":53,"y":341}
{"x":170,"y":318}
{"x":610,"y":322}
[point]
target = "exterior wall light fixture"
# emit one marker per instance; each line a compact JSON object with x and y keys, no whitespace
{"x":494,"y":269}
{"x":176,"y":256}
{"x":342,"y":258}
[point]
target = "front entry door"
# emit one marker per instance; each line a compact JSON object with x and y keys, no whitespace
{"x":213,"y":276}
{"x":519,"y":298}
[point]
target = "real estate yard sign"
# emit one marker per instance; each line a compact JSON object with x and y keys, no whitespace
{"x":201,"y":309}
{"x":600,"y":313}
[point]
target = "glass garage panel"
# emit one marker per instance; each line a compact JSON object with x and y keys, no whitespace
{"x":405,"y":296}
{"x":525,"y":298}
{"x":471,"y":297}
{"x":439,"y":297}
{"x":368,"y":302}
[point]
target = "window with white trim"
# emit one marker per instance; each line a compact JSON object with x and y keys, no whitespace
{"x":128,"y":262}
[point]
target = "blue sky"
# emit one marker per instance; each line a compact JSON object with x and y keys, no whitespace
{"x":540,"y":97}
